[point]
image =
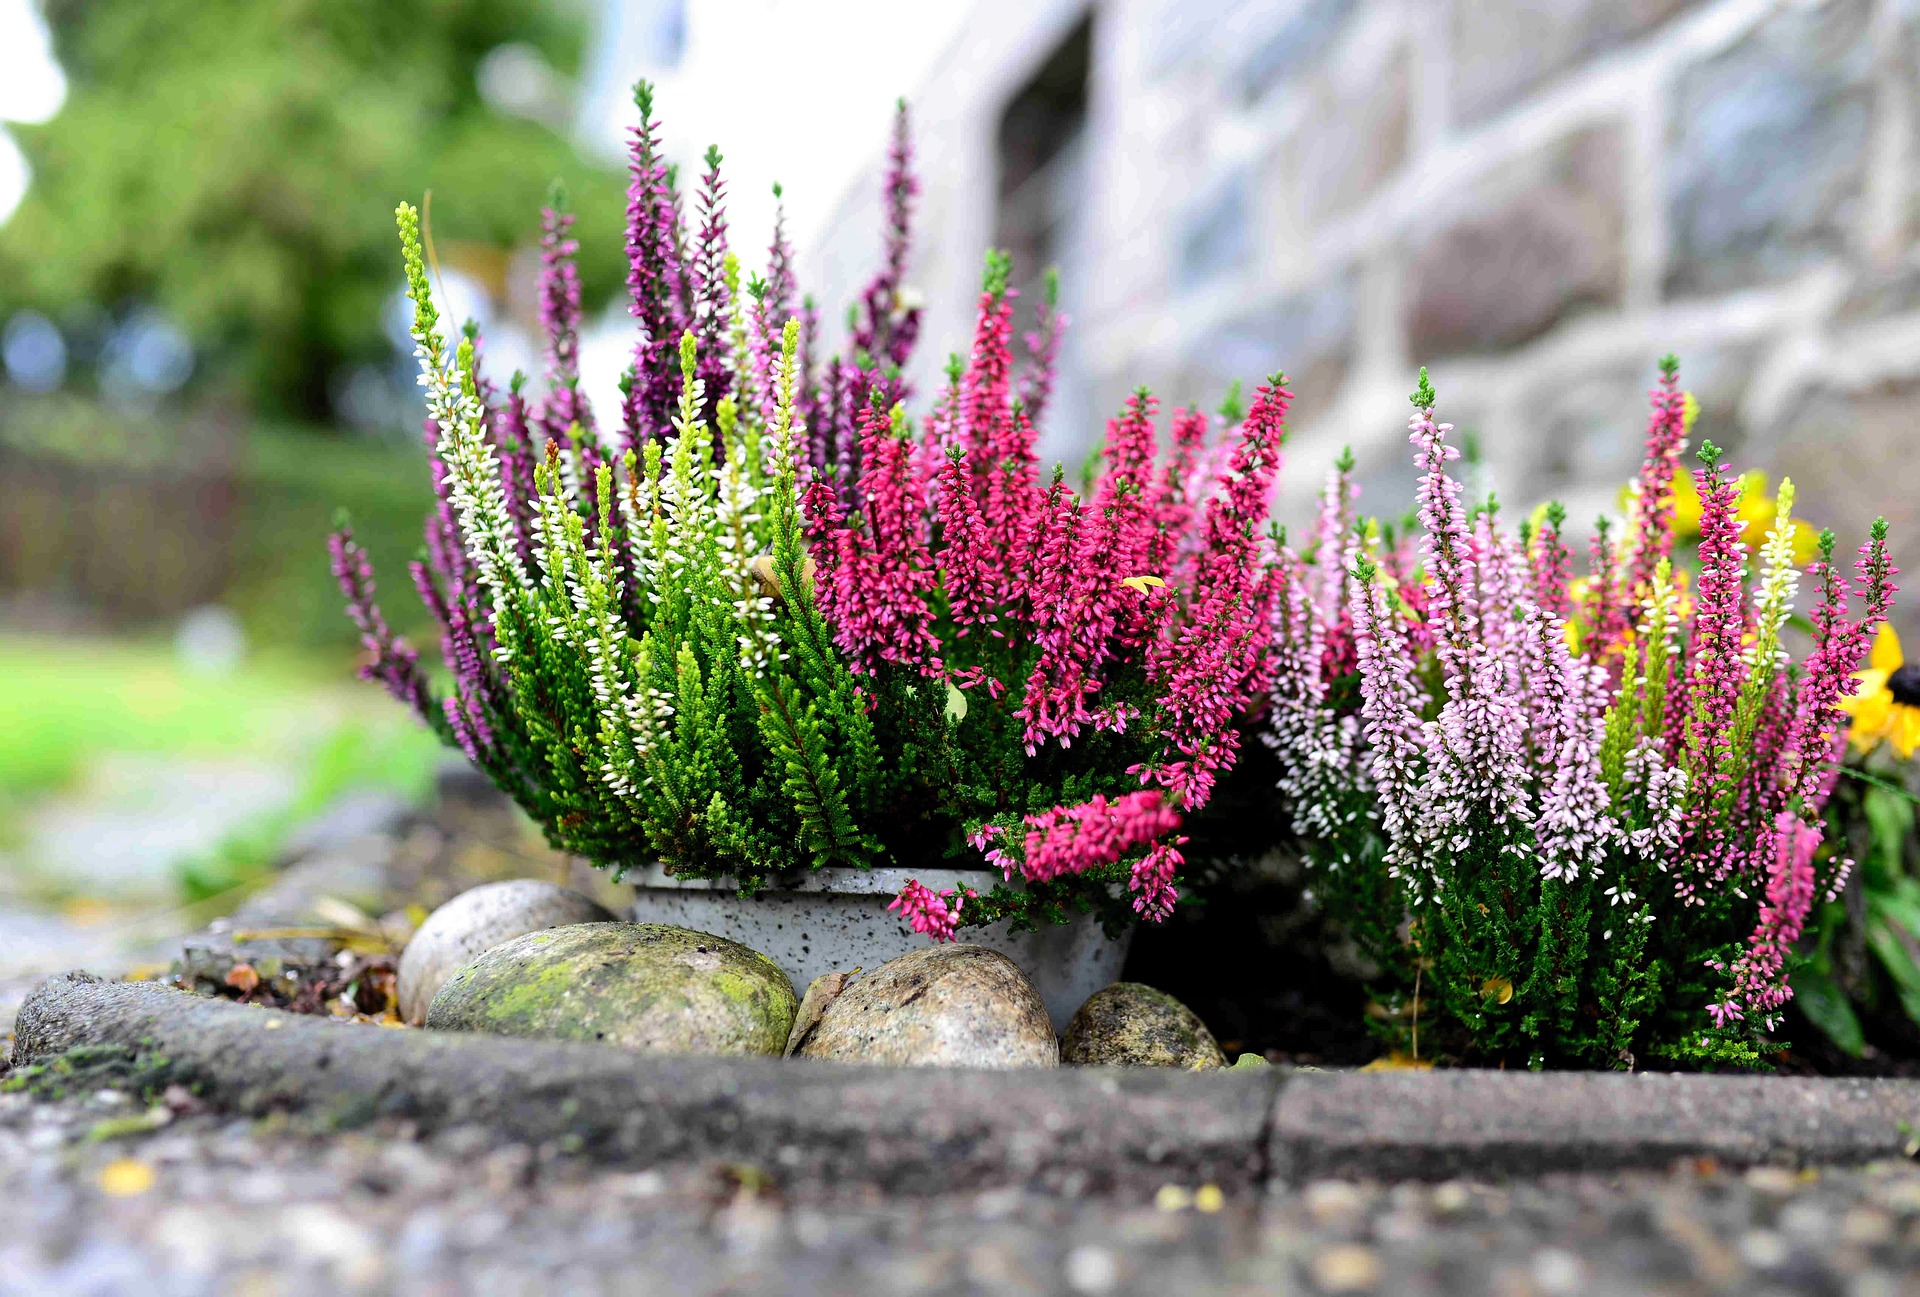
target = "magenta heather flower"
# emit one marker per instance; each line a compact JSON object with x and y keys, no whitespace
{"x":1212,"y":656}
{"x":1097,"y":832}
{"x":1715,"y":667}
{"x":1043,"y":344}
{"x":1759,"y":984}
{"x":930,"y":913}
{"x":876,"y":575}
{"x":1652,"y":538}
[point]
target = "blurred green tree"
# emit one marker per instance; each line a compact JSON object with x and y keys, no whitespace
{"x":236,"y":163}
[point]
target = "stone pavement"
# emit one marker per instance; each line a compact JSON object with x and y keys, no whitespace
{"x":206,"y":1204}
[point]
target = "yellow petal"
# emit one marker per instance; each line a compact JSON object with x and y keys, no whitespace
{"x":1871,"y":683}
{"x":1871,"y":713}
{"x":1886,"y":650}
{"x":1905,"y":731}
{"x":1806,"y":544}
{"x":1686,"y":505}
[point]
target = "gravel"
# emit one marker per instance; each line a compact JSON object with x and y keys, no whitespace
{"x":206,"y":1204}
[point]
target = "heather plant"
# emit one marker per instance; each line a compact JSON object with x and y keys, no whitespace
{"x":1573,"y":820}
{"x":773,"y":623}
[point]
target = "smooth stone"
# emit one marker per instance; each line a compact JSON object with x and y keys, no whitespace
{"x":1131,"y":1025}
{"x":941,"y":1006}
{"x":477,"y":920}
{"x":642,"y":986}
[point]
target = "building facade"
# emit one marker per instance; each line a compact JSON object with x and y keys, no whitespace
{"x":1535,"y":198}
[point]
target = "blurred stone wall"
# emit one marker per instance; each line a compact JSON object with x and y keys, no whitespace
{"x":1536,"y":198}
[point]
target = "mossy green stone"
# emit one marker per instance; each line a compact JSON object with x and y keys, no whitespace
{"x":1131,"y":1025}
{"x":644,"y":986}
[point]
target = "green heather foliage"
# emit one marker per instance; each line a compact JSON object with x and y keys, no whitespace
{"x":934,"y":657}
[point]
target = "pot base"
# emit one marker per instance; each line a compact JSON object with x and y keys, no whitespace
{"x":837,"y":920}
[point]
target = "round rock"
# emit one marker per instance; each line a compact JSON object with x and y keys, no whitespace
{"x":477,"y":920}
{"x":944,"y":1006}
{"x":1130,"y":1025}
{"x":644,"y":986}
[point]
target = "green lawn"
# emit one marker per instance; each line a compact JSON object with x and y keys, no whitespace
{"x":67,"y":702}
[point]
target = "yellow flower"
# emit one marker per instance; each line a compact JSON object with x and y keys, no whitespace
{"x":1755,"y":514}
{"x":1887,"y":705}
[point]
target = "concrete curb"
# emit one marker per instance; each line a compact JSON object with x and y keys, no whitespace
{"x":923,"y":1131}
{"x":1075,"y":1130}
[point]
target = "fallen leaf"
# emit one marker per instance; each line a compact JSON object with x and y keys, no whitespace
{"x":1398,"y":1062}
{"x":243,"y":978}
{"x":125,"y":1177}
{"x":1140,"y":584}
{"x":344,"y":914}
{"x":1497,"y":989}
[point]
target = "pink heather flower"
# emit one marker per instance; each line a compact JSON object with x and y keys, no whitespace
{"x":1082,"y":612}
{"x":1178,"y":494}
{"x":1609,"y":614}
{"x":1212,"y":659}
{"x":876,"y":575}
{"x":1716,"y":669}
{"x":1151,"y":881}
{"x":1074,"y":839}
{"x":974,"y":580}
{"x":1330,"y":529}
{"x":1390,"y":700}
{"x":1786,"y":853}
{"x":1574,"y":826}
{"x":928,"y":912}
{"x":1551,"y":567}
{"x":1479,"y":762}
{"x":1043,"y":344}
{"x":1652,"y":538}
{"x":514,"y":437}
{"x":1840,"y":647}
{"x":1501,"y":579}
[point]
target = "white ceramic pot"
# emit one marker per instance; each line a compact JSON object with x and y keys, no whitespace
{"x":834,"y":920}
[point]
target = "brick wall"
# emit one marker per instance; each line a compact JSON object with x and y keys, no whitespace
{"x":1535,"y":198}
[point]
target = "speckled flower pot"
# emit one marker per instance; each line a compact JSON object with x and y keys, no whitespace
{"x":835,"y":920}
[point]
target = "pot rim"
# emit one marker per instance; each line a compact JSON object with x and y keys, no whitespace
{"x":846,"y":880}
